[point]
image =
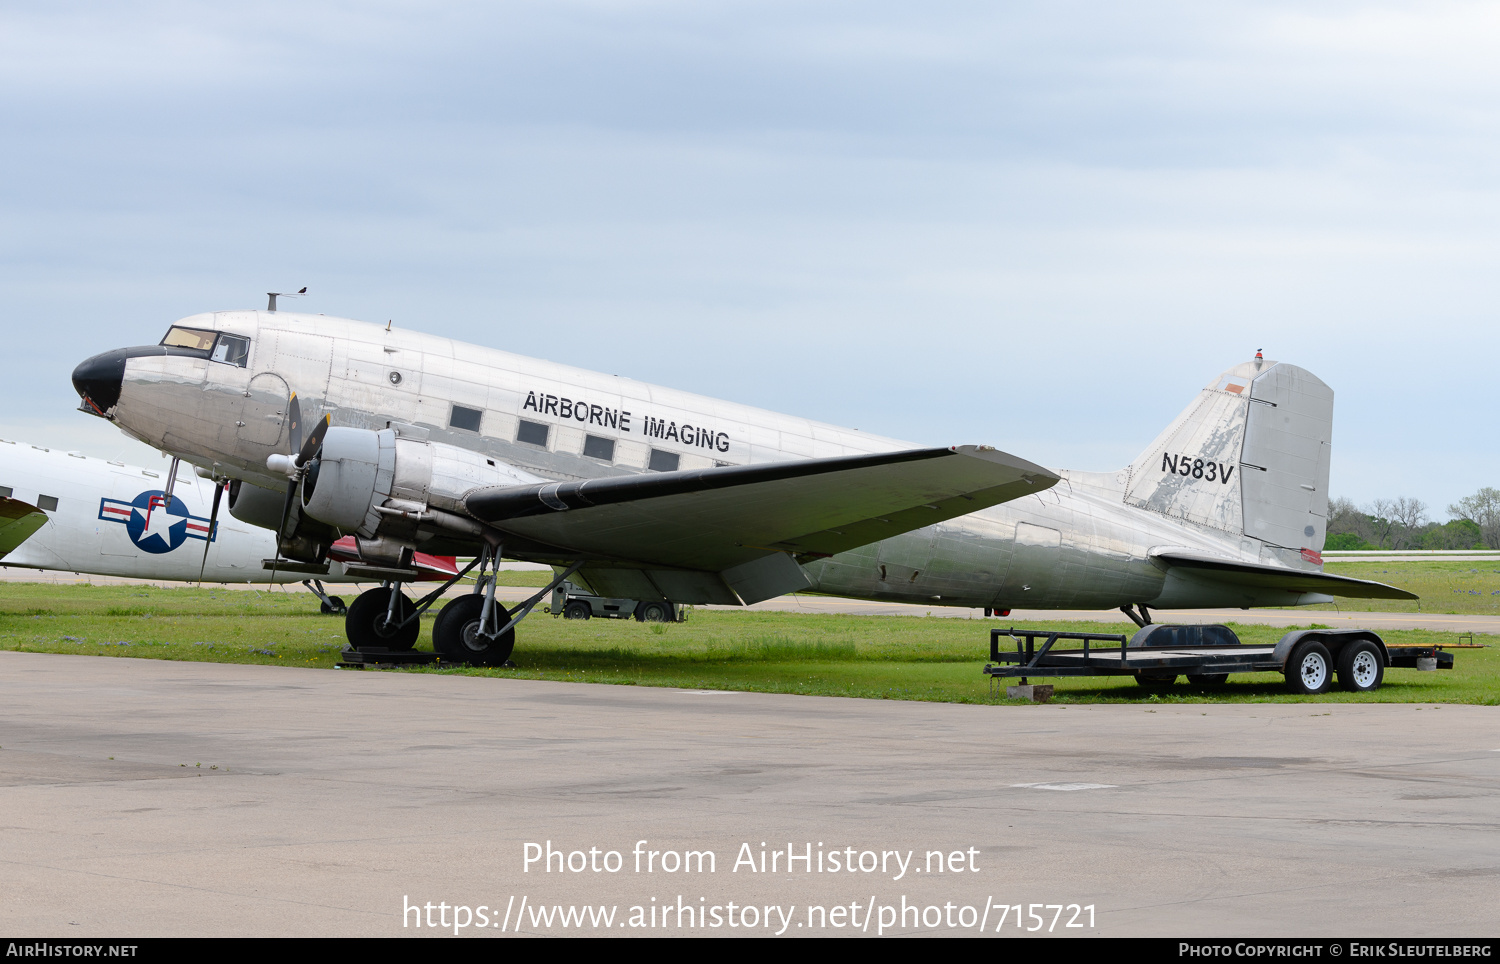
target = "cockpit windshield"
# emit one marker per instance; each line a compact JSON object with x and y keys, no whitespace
{"x":229,"y":349}
{"x":189,"y":338}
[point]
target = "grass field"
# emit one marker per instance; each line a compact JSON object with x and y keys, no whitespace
{"x":882,"y":657}
{"x":1445,"y":586}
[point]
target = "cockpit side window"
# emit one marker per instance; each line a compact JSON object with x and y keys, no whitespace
{"x":189,"y":338}
{"x":231,"y":350}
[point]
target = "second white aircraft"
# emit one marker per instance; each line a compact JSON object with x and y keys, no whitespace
{"x":73,"y":513}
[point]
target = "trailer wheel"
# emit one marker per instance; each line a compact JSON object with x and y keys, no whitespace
{"x":1360,"y":667}
{"x":1310,"y":669}
{"x":1154,"y":682}
{"x":1207,"y":679}
{"x":577,"y":609}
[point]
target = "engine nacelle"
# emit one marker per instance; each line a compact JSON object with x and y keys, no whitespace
{"x":305,"y":538}
{"x":341,"y":484}
{"x":358,"y":470}
{"x":258,"y":507}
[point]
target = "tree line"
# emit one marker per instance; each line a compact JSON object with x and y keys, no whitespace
{"x":1403,"y":524}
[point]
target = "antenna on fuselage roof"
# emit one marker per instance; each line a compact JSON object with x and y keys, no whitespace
{"x":273,"y":295}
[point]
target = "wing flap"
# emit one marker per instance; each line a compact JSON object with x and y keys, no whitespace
{"x":1277,"y":577}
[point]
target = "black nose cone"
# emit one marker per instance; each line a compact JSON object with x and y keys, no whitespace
{"x":99,"y":379}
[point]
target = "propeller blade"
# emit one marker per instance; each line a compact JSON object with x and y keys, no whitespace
{"x":294,"y":423}
{"x":286,"y":511}
{"x":314,"y":441}
{"x":213,"y":528}
{"x":171,"y":480}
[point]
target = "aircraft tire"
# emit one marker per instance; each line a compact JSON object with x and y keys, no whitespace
{"x":368,"y":612}
{"x":577,"y":609}
{"x":1154,"y":682}
{"x":653,"y":612}
{"x":455,"y":634}
{"x":1361,"y":668}
{"x":337,"y":609}
{"x":1207,"y":679}
{"x":1310,"y":669}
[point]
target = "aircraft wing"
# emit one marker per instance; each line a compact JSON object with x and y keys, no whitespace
{"x":1278,"y":577}
{"x":743,"y":525}
{"x":18,"y":520}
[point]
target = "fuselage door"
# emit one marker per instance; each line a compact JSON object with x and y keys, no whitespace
{"x":1034,"y":566}
{"x":263,"y":415}
{"x":287,"y":361}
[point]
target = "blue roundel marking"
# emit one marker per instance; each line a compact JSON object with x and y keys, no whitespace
{"x":155,"y":526}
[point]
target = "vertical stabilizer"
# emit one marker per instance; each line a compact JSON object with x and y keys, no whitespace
{"x":1192,"y":471}
{"x":1249,"y":457}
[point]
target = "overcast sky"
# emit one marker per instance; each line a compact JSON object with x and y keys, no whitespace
{"x":1039,"y":226}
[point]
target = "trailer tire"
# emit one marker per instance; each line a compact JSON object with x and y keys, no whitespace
{"x":577,"y":609}
{"x":1309,"y":671}
{"x":1361,"y":668}
{"x":1154,"y":682}
{"x":1207,"y":679}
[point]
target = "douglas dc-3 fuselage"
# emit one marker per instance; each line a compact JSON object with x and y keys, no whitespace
{"x":407,"y":441}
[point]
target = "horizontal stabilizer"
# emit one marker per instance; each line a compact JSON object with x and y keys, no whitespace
{"x":1263,"y":576}
{"x":18,"y":520}
{"x":714,"y":520}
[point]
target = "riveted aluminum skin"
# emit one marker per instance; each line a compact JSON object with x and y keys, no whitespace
{"x":1240,"y":477}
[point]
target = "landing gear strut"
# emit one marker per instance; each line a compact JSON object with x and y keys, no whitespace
{"x":331,"y":605}
{"x":384,"y":618}
{"x":1143,"y":620}
{"x":478,"y":630}
{"x":473,"y":629}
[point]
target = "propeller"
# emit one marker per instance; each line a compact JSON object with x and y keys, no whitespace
{"x":213,"y":528}
{"x":294,"y":465}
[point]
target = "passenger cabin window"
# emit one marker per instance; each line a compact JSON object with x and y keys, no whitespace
{"x":189,"y":338}
{"x":532,"y":433}
{"x":5,"y":491}
{"x":599,"y":448}
{"x":663,"y":461}
{"x":231,"y":350}
{"x":465,"y":418}
{"x":47,"y":503}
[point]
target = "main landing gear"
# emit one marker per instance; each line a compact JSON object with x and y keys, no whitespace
{"x":475,"y":629}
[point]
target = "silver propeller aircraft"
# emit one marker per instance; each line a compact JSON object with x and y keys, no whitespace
{"x":422,"y":443}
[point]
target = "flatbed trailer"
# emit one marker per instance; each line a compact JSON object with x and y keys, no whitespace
{"x":1158,"y":653}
